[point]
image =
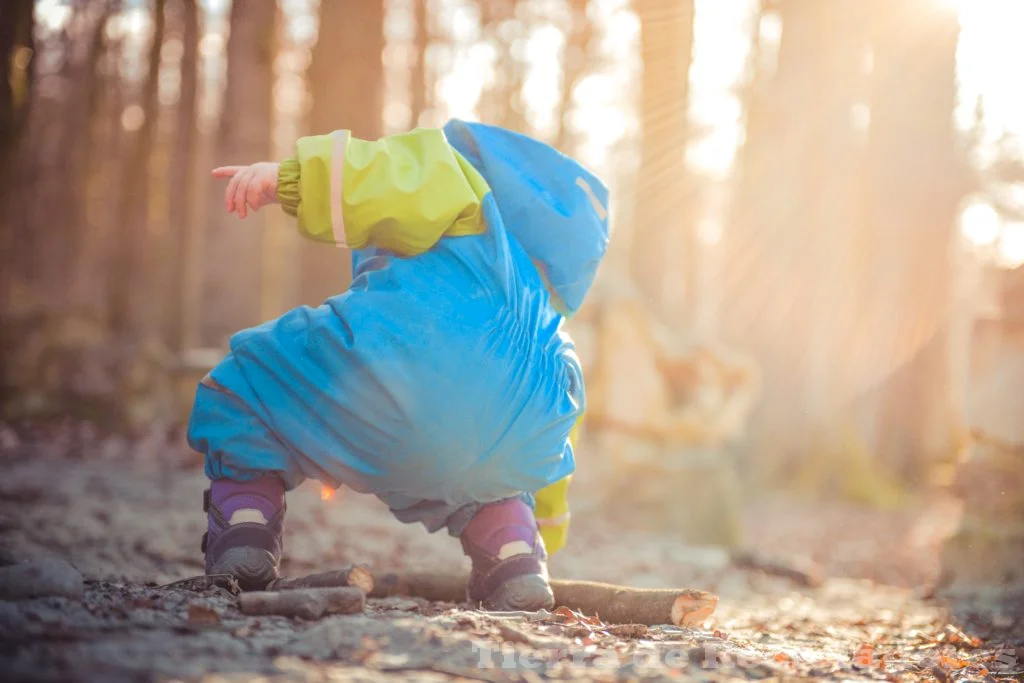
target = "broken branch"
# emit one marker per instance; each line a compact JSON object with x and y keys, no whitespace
{"x":357,"y":576}
{"x":304,"y":603}
{"x":625,"y":605}
{"x":614,"y":604}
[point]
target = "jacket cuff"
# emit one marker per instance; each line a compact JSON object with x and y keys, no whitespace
{"x":288,"y":186}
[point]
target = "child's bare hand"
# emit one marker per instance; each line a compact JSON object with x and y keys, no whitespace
{"x":251,"y":187}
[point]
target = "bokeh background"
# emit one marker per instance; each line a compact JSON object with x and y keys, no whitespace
{"x":814,"y":285}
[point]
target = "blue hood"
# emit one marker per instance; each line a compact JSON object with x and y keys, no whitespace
{"x":556,"y":209}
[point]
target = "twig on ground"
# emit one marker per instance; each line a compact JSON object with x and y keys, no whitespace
{"x":304,"y":603}
{"x":205,"y":582}
{"x":614,"y":604}
{"x":354,"y":575}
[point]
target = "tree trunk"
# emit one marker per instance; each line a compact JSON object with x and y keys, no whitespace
{"x":501,"y":99}
{"x":82,"y":251}
{"x":181,"y":303}
{"x":984,"y":559}
{"x":662,"y":225}
{"x":916,"y":178}
{"x":53,"y":174}
{"x":421,"y":85}
{"x":787,"y":276}
{"x":127,"y":296}
{"x":16,"y":48}
{"x":233,"y":247}
{"x":574,"y":67}
{"x":346,"y":79}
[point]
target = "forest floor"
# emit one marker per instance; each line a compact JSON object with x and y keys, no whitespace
{"x":131,"y":524}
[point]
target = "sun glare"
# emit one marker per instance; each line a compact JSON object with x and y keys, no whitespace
{"x":52,"y":14}
{"x":979,"y":223}
{"x":1011,"y":245}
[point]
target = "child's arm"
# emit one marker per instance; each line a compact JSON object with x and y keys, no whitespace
{"x":401,"y":193}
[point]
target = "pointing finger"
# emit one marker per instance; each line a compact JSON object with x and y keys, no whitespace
{"x":226,"y":171}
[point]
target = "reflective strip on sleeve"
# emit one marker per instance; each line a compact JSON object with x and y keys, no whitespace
{"x":337,"y":187}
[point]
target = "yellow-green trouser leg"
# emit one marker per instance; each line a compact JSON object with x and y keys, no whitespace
{"x":552,"y":505}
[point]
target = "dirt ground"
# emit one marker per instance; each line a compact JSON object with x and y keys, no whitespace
{"x":131,"y":524}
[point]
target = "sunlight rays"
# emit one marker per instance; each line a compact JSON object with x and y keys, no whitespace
{"x":988,"y":57}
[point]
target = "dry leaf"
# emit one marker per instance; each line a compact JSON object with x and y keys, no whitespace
{"x":865,"y":655}
{"x":567,"y":614}
{"x":782,"y":657}
{"x":954,"y":636}
{"x":947,"y":662}
{"x":201,"y":615}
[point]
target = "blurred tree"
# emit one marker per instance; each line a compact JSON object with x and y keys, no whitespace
{"x":232,"y":253}
{"x":786,"y":286}
{"x":183,"y":230}
{"x":421,"y":82}
{"x":662,"y":224}
{"x":838,"y":253}
{"x":127,"y":291}
{"x":347,"y":83}
{"x":501,"y":100}
{"x":917,"y":176}
{"x":574,"y":67}
{"x":985,"y":557}
{"x":58,"y":146}
{"x":87,"y":164}
{"x":17,"y":47}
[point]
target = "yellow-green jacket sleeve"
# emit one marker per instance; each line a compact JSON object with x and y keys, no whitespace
{"x":401,"y":193}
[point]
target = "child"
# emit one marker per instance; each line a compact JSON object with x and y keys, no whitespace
{"x":442,"y":381}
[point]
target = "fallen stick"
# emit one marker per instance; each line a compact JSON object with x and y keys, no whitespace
{"x":624,"y":605}
{"x":355,"y":575}
{"x":305,"y":603}
{"x":433,"y":586}
{"x":613,"y":604}
{"x":205,"y":582}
